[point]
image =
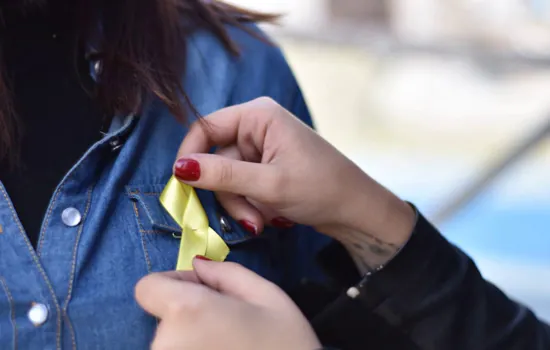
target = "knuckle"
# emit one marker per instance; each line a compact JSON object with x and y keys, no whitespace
{"x":262,"y":109}
{"x":190,"y":308}
{"x":268,"y":105}
{"x":177,"y":307}
{"x":225,"y":173}
{"x":275,"y":186}
{"x":266,"y":101}
{"x":196,"y":126}
{"x":202,"y":127}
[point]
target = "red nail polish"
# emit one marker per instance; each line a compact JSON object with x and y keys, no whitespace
{"x":281,"y":222}
{"x":250,"y":227}
{"x":187,"y":169}
{"x":200,"y":257}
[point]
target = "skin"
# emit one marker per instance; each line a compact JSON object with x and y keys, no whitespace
{"x":270,"y":165}
{"x":218,"y":313}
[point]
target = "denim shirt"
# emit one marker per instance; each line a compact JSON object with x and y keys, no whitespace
{"x":105,"y":228}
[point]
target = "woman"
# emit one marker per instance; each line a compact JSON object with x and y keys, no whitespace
{"x":428,"y":295}
{"x":94,"y":96}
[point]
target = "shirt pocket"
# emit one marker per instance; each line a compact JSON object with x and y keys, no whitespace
{"x":160,"y":234}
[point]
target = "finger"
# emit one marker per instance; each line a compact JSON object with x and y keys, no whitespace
{"x":271,"y":217}
{"x":242,"y":211}
{"x":234,"y":280}
{"x":159,"y":292}
{"x":224,"y":127}
{"x":220,"y":174}
{"x":184,"y":276}
{"x":267,"y":213}
{"x":237,"y":206}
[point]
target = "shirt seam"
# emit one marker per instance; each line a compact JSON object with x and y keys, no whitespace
{"x":12,"y":310}
{"x":47,"y":218}
{"x":141,"y":234}
{"x":73,"y":266}
{"x":39,"y":266}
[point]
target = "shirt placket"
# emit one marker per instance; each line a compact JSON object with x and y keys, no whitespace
{"x":41,"y":282}
{"x":30,"y":296}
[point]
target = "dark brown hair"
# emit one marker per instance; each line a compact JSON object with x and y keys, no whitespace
{"x":142,"y":51}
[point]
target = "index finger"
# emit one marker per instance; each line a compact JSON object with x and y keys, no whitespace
{"x":221,"y":127}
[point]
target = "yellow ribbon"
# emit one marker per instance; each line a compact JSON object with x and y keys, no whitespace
{"x":197,"y":238}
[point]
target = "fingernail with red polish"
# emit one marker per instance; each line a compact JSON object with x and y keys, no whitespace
{"x":281,"y":222}
{"x":187,"y":170}
{"x":201,"y":257}
{"x":250,"y":227}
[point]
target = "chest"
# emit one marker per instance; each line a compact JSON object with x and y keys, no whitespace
{"x":103,"y":230}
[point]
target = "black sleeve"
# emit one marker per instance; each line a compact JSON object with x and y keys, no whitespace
{"x":431,"y":296}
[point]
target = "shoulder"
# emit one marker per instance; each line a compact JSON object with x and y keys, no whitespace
{"x":260,"y":70}
{"x":256,"y":47}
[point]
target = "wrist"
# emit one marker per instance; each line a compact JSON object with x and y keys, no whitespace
{"x":374,"y":226}
{"x":373,"y":210}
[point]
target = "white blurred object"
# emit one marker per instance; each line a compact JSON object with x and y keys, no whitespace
{"x":451,"y":96}
{"x":416,"y":20}
{"x":301,"y":16}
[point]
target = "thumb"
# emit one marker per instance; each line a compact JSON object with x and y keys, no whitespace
{"x":221,"y":174}
{"x":234,"y":280}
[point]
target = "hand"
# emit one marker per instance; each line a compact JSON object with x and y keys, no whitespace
{"x":270,"y":165}
{"x":233,"y":308}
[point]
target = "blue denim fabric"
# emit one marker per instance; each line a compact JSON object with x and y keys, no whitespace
{"x":86,"y":274}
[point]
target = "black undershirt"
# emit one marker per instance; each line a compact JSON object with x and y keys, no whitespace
{"x":59,"y":117}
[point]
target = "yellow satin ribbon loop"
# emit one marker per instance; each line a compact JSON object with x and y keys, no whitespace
{"x":197,"y":238}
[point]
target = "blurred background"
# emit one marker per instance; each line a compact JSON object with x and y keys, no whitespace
{"x":447,"y":103}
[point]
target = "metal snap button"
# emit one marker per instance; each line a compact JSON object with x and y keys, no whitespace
{"x":115,"y":144}
{"x":98,"y":67}
{"x":71,"y":217}
{"x":38,"y":314}
{"x":225,"y":225}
